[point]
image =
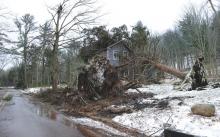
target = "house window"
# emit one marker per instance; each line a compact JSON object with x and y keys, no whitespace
{"x":125,"y":54}
{"x":126,"y":73}
{"x":115,"y":55}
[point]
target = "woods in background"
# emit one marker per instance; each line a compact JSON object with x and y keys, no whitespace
{"x":51,"y":53}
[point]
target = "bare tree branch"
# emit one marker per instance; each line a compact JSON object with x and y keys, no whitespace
{"x":212,"y":6}
{"x":53,"y":16}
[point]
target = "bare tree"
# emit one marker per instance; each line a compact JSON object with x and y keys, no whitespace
{"x":69,"y":18}
{"x":26,"y":27}
{"x":3,"y":29}
{"x":3,"y":62}
{"x":45,"y":42}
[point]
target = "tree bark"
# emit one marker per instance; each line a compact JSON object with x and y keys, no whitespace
{"x":159,"y":66}
{"x":166,"y":69}
{"x":55,"y":66}
{"x":25,"y":61}
{"x":55,"y":69}
{"x":43,"y":82}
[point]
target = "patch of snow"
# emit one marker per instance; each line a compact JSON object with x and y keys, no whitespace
{"x":147,"y":101}
{"x":154,"y":88}
{"x":150,"y":120}
{"x":171,"y":80}
{"x":97,"y":124}
{"x":62,"y":85}
{"x":131,"y":91}
{"x":7,"y":87}
{"x":35,"y":90}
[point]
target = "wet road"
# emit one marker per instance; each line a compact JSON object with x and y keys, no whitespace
{"x":24,"y":118}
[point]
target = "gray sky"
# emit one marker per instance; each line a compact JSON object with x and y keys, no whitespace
{"x":157,"y":15}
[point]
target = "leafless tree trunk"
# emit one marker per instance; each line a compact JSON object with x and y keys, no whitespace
{"x":25,"y":60}
{"x":169,"y":70}
{"x":159,"y":66}
{"x":164,"y":68}
{"x":55,"y":51}
{"x":69,"y":18}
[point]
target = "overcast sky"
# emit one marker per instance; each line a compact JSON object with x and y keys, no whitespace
{"x":157,"y":15}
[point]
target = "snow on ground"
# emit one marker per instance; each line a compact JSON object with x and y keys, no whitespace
{"x":7,"y":87}
{"x":35,"y":90}
{"x":156,"y":89}
{"x":179,"y":117}
{"x":97,"y":124}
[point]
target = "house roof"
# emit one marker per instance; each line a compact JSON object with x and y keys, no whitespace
{"x":123,"y":43}
{"x":115,"y":44}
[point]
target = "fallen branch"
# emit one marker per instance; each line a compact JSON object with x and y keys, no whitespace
{"x":83,"y":100}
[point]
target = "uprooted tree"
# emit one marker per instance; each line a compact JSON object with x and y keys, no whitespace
{"x":100,"y":78}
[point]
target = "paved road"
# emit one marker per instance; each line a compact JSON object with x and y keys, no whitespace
{"x":27,"y":119}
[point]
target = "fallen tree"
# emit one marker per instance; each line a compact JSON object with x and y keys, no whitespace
{"x":159,"y":66}
{"x":166,"y":69}
{"x":196,"y":76}
{"x":100,"y":79}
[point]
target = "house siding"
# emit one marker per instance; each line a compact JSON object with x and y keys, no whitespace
{"x":110,"y":53}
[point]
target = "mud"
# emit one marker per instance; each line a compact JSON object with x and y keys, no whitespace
{"x":94,"y":109}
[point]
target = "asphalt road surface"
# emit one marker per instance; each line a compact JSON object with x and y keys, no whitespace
{"x":24,"y":118}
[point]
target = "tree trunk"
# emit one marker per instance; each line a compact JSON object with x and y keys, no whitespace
{"x":159,"y":66}
{"x":55,"y":55}
{"x":55,"y":68}
{"x":43,"y":82}
{"x":37,"y":79}
{"x":43,"y":76}
{"x":25,"y":65}
{"x":166,"y":69}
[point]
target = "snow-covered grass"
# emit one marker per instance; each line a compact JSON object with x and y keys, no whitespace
{"x":179,"y":117}
{"x":97,"y":124}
